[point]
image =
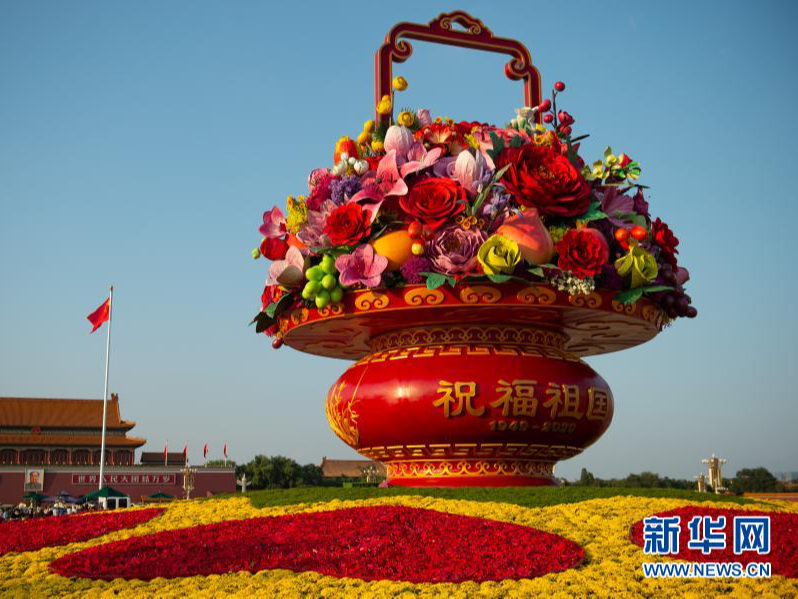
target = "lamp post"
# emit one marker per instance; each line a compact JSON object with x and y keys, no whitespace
{"x":188,"y":480}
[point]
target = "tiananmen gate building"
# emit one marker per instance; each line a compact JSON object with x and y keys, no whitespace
{"x":53,"y":445}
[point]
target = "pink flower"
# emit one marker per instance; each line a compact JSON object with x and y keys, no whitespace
{"x":424,"y":117}
{"x":364,"y":266}
{"x":419,"y":159}
{"x":398,"y":138}
{"x":470,"y":171}
{"x":273,"y":223}
{"x":289,"y":272}
{"x":377,"y":186}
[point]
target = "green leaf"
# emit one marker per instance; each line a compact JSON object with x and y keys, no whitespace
{"x":436,"y":279}
{"x":516,"y":142}
{"x":656,"y":288}
{"x":500,"y":278}
{"x":630,"y":296}
{"x":593,"y":215}
{"x":274,"y":309}
{"x":537,"y":271}
{"x":263,"y":322}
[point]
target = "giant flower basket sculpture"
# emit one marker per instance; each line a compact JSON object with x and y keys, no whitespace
{"x":467,"y":269}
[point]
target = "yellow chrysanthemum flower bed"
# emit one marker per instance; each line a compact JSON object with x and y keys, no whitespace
{"x":612,"y":566}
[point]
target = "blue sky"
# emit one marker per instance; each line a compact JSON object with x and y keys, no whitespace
{"x":141,"y":142}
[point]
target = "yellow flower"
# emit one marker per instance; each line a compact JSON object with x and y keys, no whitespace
{"x":297,"y":213}
{"x":638,"y":266}
{"x":399,"y":84}
{"x":377,"y":146}
{"x":368,"y":126}
{"x":364,"y":138}
{"x":405,"y":118}
{"x":498,"y":255}
{"x":384,"y":107}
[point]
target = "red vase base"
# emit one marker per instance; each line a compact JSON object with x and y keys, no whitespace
{"x":482,"y":473}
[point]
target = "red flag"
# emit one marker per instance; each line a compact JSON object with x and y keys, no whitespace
{"x":166,"y":453}
{"x":185,"y":452}
{"x":100,"y":315}
{"x":205,"y":451}
{"x":225,"y":451}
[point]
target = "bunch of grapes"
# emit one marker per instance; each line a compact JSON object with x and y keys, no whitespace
{"x":322,"y":286}
{"x":675,"y":302}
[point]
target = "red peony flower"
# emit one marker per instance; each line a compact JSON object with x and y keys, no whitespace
{"x":583,"y":251}
{"x":434,"y":200}
{"x":540,"y":177}
{"x":36,"y":533}
{"x":369,"y":543}
{"x":274,"y":248}
{"x":666,"y":241}
{"x":348,"y":224}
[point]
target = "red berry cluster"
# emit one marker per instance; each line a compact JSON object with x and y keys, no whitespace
{"x":561,"y":120}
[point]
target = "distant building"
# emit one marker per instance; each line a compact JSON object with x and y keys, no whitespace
{"x":353,"y":469}
{"x":51,"y":446}
{"x":39,"y":432}
{"x":786,"y":477}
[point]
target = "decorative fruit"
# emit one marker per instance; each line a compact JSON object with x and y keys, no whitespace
{"x":417,"y":249}
{"x":639,"y":232}
{"x":544,"y":106}
{"x":532,"y":237}
{"x":396,"y":246}
{"x":322,"y":286}
{"x":621,"y":234}
{"x":414,"y":229}
{"x":559,"y":86}
{"x":345,"y":145}
{"x":548,"y":117}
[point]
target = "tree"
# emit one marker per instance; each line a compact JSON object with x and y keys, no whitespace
{"x":269,"y":472}
{"x":754,"y":480}
{"x":586,"y":479}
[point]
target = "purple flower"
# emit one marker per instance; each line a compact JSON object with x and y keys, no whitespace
{"x":412,"y":269}
{"x":616,"y":206}
{"x":453,"y":250}
{"x":494,"y":209}
{"x":344,"y":188}
{"x":640,"y":204}
{"x":610,"y":278}
{"x":363,"y":266}
{"x":321,"y":191}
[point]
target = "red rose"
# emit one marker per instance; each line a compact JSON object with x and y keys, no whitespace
{"x":540,"y":177}
{"x":348,"y":224}
{"x":666,"y":241}
{"x":274,"y":248}
{"x":583,"y":251}
{"x":434,"y":200}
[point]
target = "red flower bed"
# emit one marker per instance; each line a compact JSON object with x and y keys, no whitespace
{"x":371,"y":543}
{"x":34,"y":534}
{"x":783,"y":555}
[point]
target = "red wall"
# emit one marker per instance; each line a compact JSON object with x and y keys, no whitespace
{"x":56,"y":479}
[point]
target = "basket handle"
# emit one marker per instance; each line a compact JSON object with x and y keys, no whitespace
{"x":440,"y":30}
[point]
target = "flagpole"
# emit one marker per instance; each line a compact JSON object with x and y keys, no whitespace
{"x":105,"y":391}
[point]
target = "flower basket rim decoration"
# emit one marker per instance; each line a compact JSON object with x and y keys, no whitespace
{"x":590,"y":324}
{"x":468,"y":268}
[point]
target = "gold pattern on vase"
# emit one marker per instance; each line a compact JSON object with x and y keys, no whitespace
{"x":536,"y":294}
{"x":372,"y":300}
{"x":342,"y":416}
{"x":591,"y":300}
{"x":480,"y":294}
{"x":422,"y":296}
